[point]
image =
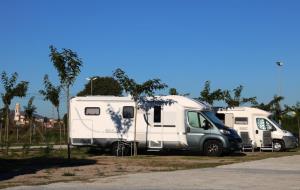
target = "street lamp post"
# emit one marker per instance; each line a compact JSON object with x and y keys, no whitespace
{"x":280,"y":65}
{"x":91,"y":79}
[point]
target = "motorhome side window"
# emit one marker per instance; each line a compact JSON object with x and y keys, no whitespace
{"x":195,"y":119}
{"x":157,"y":114}
{"x":92,"y":111}
{"x":241,"y":120}
{"x":128,"y":112}
{"x":263,"y":124}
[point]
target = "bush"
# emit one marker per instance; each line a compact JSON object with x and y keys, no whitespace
{"x":48,"y":149}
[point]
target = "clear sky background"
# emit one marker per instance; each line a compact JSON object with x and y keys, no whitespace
{"x":184,"y":43}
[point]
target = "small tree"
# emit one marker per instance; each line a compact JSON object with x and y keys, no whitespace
{"x":173,"y":91}
{"x":137,"y":91}
{"x":30,"y":109}
{"x":296,"y":110}
{"x":274,"y":107}
{"x":102,"y":86}
{"x":210,"y":97}
{"x":52,"y":94}
{"x":236,"y":100}
{"x":2,"y":121}
{"x":12,"y":89}
{"x":68,"y":64}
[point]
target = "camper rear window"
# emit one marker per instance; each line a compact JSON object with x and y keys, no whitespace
{"x":241,"y":120}
{"x":92,"y":111}
{"x":128,"y":112}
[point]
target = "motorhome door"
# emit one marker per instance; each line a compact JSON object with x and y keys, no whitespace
{"x":262,"y":124}
{"x":196,"y":129}
{"x":155,"y":128}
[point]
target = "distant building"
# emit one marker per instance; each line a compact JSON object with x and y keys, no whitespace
{"x":19,"y":117}
{"x":17,"y":112}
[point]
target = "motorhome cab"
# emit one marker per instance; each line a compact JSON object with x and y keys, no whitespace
{"x":255,"y":122}
{"x":168,"y":122}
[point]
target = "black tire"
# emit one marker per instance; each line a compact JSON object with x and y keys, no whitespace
{"x":120,"y":149}
{"x":278,"y":146}
{"x":213,"y":148}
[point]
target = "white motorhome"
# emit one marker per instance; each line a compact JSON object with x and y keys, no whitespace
{"x":167,"y":122}
{"x":255,"y":122}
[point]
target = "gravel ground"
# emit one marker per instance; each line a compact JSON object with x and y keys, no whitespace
{"x":273,"y":173}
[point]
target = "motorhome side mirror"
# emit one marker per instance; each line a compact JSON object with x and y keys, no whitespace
{"x":206,"y":124}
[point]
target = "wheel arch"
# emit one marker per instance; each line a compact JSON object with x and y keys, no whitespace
{"x":215,"y":137}
{"x":279,"y":140}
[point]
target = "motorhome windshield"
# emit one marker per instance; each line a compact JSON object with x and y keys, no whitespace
{"x":275,"y":123}
{"x":213,"y":118}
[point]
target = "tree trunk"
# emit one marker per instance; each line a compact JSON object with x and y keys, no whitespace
{"x":7,"y":124}
{"x":68,"y":126}
{"x":17,"y":133}
{"x":33,"y":128}
{"x":58,"y":121}
{"x":299,"y":129}
{"x":1,"y":133}
{"x":134,"y":135}
{"x":30,"y":133}
{"x":41,"y":134}
{"x":64,"y":129}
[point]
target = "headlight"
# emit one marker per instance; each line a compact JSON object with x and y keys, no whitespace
{"x":287,"y":133}
{"x":225,"y":132}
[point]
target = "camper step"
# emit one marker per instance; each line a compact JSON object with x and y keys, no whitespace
{"x":154,"y":150}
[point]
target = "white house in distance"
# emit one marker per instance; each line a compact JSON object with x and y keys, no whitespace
{"x":19,"y":118}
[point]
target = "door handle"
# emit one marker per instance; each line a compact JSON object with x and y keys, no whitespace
{"x":256,"y":131}
{"x":188,"y":129}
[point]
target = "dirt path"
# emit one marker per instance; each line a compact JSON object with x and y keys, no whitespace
{"x":272,"y":173}
{"x":46,"y":170}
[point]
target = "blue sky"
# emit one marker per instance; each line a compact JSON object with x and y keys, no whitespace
{"x":182,"y":42}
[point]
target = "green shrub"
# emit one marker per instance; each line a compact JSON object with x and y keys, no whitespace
{"x":48,"y":149}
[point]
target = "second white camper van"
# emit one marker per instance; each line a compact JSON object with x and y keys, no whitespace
{"x":166,"y":122}
{"x":253,"y":123}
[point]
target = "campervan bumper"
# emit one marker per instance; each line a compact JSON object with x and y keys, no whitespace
{"x":233,"y":144}
{"x":290,"y":142}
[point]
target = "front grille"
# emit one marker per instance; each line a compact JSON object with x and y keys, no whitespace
{"x":236,"y":140}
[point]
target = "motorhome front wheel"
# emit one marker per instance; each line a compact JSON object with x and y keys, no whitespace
{"x":213,"y":148}
{"x":278,"y":146}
